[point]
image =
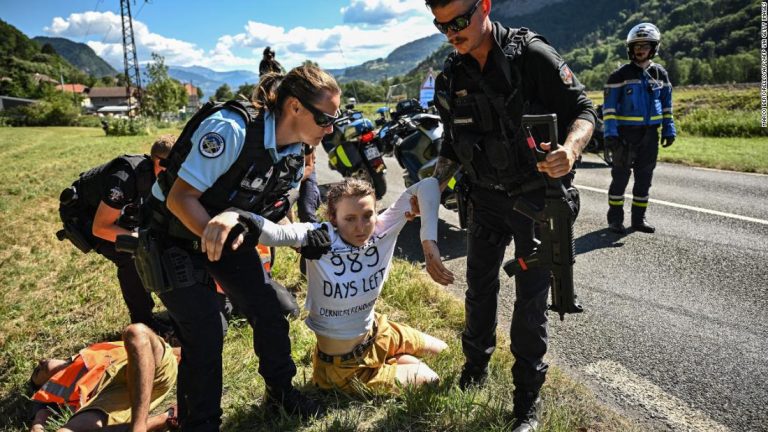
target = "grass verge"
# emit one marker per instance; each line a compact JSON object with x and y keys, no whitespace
{"x":56,"y":300}
{"x":735,"y":154}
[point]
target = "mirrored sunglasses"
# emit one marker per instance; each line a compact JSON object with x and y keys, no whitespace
{"x":321,"y":119}
{"x":459,"y":23}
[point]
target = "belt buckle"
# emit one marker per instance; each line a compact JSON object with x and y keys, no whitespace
{"x":358,"y":351}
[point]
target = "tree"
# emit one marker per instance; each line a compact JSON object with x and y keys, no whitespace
{"x":199,"y":93}
{"x":223,"y":93}
{"x":246,"y":90}
{"x":162,"y":94}
{"x":107,"y":81}
{"x":673,"y":71}
{"x":47,"y":49}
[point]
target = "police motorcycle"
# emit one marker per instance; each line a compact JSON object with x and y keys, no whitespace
{"x":418,"y":135}
{"x":597,"y":142}
{"x":383,"y":138}
{"x":353,"y":151}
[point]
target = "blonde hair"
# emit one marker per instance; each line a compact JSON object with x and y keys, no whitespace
{"x":349,"y":188}
{"x":162,"y":146}
{"x":307,"y":83}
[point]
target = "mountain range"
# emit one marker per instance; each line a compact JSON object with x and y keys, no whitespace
{"x":703,"y":41}
{"x":209,"y":80}
{"x":79,"y":54}
{"x":398,"y":62}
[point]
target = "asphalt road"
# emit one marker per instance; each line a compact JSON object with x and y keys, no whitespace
{"x":674,"y":332}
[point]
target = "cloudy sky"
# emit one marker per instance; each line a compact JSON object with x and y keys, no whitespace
{"x":231,"y":34}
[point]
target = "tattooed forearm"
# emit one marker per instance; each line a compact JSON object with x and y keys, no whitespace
{"x":444,"y":170}
{"x":579,"y":135}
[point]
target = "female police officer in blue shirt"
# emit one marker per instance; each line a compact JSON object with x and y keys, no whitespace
{"x":242,"y":155}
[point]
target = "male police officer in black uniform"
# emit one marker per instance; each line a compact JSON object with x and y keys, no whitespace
{"x":497,"y":75}
{"x":104,"y":203}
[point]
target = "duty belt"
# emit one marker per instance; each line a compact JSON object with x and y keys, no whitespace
{"x":357,"y":352}
{"x":186,"y":244}
{"x":513,"y":190}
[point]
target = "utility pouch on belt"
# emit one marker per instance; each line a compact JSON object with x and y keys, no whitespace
{"x":149,"y":264}
{"x":178,"y":268}
{"x":70,"y":216}
{"x":73,"y":233}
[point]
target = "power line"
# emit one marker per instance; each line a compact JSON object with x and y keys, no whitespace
{"x":95,"y":9}
{"x":140,"y":9}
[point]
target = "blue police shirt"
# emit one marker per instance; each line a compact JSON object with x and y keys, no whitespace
{"x":217,"y":143}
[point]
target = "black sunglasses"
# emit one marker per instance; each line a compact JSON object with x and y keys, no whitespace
{"x":321,"y":119}
{"x":459,"y":23}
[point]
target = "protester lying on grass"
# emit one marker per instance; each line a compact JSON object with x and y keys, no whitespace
{"x":111,"y":385}
{"x":349,"y":259}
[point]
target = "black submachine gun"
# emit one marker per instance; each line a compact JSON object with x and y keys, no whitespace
{"x":555,"y":226}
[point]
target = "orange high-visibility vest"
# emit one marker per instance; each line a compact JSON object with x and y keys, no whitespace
{"x":73,"y":384}
{"x":266,"y":261}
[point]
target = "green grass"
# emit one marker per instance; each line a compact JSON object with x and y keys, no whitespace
{"x":736,"y":154}
{"x":56,"y":300}
{"x":718,"y":127}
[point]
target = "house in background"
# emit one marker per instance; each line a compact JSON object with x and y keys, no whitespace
{"x":78,"y":89}
{"x":8,"y":102}
{"x":113,"y":100}
{"x":38,"y":78}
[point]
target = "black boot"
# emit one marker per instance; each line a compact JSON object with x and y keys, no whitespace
{"x":638,"y":221}
{"x":616,"y":219}
{"x":293,"y":402}
{"x":472,"y":375}
{"x":527,"y":409}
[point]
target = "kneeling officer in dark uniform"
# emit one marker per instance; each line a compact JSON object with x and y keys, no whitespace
{"x":496,"y":76}
{"x":237,"y":155}
{"x":104,"y":203}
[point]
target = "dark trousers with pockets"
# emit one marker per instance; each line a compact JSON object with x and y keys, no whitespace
{"x":138,"y":300}
{"x":196,"y":314}
{"x":493,"y":221}
{"x":642,"y":145}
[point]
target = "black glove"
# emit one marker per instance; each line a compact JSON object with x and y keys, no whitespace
{"x":611,"y":142}
{"x":248,"y":227}
{"x":667,"y":141}
{"x":318,"y":242}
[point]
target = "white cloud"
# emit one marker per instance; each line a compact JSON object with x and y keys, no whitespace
{"x":107,"y":29}
{"x":336,"y":47}
{"x":378,"y":12}
{"x":358,"y":40}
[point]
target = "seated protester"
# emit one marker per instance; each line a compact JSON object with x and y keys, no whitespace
{"x":109,"y":383}
{"x":346,"y":273}
{"x":285,"y":298}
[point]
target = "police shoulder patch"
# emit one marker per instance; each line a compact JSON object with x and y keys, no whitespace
{"x":566,"y":75}
{"x":211,"y":145}
{"x":116,"y":194}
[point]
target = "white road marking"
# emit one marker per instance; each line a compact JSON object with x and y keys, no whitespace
{"x":678,"y":414}
{"x":685,"y":207}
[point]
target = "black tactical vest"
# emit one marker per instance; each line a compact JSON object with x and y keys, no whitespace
{"x":90,"y":186}
{"x":489,"y":119}
{"x":254,"y":182}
